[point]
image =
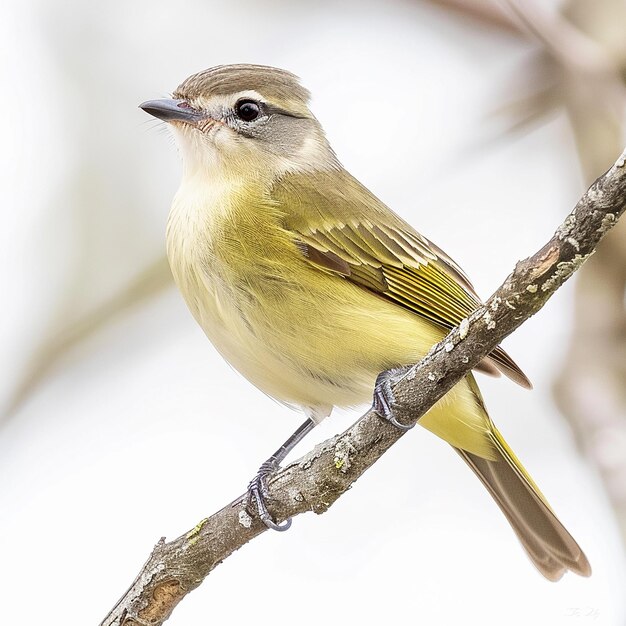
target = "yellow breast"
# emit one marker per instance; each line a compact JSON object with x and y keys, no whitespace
{"x":302,"y":335}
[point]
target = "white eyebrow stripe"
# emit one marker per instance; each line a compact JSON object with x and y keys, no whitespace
{"x":249,"y":93}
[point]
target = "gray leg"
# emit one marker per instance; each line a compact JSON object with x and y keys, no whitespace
{"x":257,"y":489}
{"x":384,"y":400}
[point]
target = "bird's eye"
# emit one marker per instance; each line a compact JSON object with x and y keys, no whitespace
{"x":247,"y":110}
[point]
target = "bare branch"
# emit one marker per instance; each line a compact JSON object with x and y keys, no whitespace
{"x":317,"y":480}
{"x":582,"y":68}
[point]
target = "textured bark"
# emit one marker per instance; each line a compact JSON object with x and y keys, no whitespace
{"x":317,"y":480}
{"x":581,"y":69}
{"x":591,"y":388}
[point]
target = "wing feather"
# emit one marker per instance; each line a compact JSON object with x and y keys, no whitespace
{"x":378,"y":248}
{"x":343,"y":228}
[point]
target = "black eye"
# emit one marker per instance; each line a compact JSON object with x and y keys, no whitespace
{"x":247,"y":110}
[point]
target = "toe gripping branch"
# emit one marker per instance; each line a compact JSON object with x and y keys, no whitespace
{"x":383,"y":403}
{"x":257,"y":489}
{"x":384,"y":399}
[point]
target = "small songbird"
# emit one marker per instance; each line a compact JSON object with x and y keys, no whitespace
{"x":310,"y":286}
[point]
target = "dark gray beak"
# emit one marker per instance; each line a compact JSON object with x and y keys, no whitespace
{"x":172,"y":110}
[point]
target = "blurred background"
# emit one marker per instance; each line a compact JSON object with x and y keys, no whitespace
{"x":120,"y":423}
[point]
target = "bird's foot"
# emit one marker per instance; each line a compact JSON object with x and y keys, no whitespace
{"x":257,"y":492}
{"x":384,"y":399}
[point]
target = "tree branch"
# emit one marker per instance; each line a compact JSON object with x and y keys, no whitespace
{"x":317,"y":480}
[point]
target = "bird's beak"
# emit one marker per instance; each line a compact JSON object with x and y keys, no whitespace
{"x":172,"y":111}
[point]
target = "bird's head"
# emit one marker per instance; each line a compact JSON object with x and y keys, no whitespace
{"x":249,"y":119}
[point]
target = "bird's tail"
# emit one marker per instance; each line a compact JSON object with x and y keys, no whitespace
{"x":551,"y":548}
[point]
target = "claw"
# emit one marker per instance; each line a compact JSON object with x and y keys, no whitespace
{"x":258,"y":491}
{"x":384,"y":400}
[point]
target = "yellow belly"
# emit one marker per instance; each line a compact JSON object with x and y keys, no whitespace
{"x":309,"y":355}
{"x":300,"y":334}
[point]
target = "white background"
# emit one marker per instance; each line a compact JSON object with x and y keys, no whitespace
{"x":143,"y":430}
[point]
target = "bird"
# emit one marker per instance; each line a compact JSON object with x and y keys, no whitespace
{"x":314,"y":289}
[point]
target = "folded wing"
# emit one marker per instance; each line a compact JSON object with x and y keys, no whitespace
{"x":341,"y":227}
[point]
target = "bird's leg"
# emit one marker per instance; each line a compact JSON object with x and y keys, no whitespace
{"x":257,"y":489}
{"x":384,"y":399}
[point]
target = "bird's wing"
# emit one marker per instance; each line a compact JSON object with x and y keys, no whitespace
{"x":341,"y":227}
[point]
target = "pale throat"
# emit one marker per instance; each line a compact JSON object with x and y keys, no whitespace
{"x":219,"y":180}
{"x":222,"y":157}
{"x":213,"y":184}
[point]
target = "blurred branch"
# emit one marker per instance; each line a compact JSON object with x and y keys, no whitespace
{"x":581,"y":69}
{"x":150,"y":282}
{"x":585,"y":55}
{"x":566,"y":43}
{"x":484,"y":11}
{"x":585,"y":77}
{"x":317,"y":480}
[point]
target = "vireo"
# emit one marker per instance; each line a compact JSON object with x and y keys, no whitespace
{"x":310,"y":286}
